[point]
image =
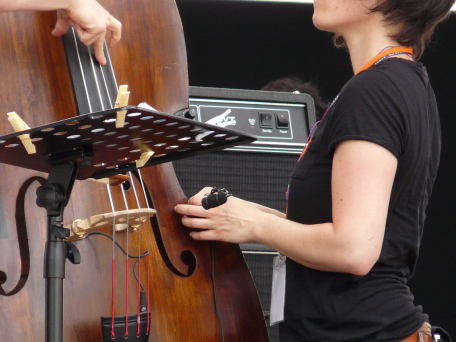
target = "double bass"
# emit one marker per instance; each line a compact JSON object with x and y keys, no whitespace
{"x":196,"y":291}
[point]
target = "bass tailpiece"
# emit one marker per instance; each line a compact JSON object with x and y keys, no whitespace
{"x":119,"y":328}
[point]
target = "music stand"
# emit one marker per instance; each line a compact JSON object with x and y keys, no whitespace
{"x":90,"y":146}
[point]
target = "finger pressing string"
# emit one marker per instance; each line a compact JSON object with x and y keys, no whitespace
{"x":98,"y":50}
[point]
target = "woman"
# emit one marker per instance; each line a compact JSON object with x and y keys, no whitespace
{"x":91,"y":21}
{"x":357,"y":197}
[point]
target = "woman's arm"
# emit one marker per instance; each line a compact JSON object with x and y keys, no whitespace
{"x":270,"y":210}
{"x":91,"y":21}
{"x":33,"y":5}
{"x":363,"y":175}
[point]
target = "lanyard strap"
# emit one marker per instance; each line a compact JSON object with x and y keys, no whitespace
{"x":386,"y":53}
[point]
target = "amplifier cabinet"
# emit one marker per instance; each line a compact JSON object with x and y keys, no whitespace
{"x":257,"y":172}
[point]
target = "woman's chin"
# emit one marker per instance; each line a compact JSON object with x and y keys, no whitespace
{"x":322,"y":26}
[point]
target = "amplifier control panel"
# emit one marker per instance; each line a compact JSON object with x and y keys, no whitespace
{"x":280,"y":121}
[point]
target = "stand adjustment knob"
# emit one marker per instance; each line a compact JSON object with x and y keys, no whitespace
{"x":49,"y":196}
{"x":73,"y":253}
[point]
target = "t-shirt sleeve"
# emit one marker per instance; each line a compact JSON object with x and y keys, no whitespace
{"x":369,"y":108}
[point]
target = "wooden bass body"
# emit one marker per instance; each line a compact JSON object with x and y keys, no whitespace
{"x":198,"y":291}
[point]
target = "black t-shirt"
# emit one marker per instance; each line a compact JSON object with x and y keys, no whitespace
{"x":391,"y":104}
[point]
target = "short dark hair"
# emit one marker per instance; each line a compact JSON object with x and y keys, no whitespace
{"x":418,"y":19}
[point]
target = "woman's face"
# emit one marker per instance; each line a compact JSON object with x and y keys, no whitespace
{"x":338,"y":16}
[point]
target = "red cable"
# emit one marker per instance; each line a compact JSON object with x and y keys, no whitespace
{"x":138,"y":320}
{"x":148,"y":303}
{"x":113,"y":267}
{"x":126,"y":297}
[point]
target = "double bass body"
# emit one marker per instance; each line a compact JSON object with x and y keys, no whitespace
{"x":198,"y":291}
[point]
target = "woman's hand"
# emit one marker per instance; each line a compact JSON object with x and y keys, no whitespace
{"x":93,"y":25}
{"x":235,"y":221}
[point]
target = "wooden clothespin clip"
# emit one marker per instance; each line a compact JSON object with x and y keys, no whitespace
{"x":145,"y":156}
{"x":121,"y":101}
{"x":18,"y":126}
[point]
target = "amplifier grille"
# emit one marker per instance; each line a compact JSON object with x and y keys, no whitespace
{"x":258,"y":177}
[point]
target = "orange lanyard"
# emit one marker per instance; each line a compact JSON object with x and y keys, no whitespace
{"x":386,"y":53}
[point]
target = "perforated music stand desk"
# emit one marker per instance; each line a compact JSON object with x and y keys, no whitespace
{"x":106,"y":150}
{"x":90,"y":146}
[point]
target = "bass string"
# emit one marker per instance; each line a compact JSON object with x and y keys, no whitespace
{"x":110,"y":95}
{"x":126,"y":259}
{"x":132,"y":182}
{"x":92,"y":64}
{"x":112,"y":74}
{"x":75,"y":40}
{"x":111,"y":101}
{"x":113,"y":260}
{"x":148,"y":265}
{"x":138,"y":319}
{"x":89,"y":102}
{"x":113,"y":334}
{"x":113,"y":256}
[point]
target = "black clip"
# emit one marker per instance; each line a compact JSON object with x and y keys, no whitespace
{"x":215,"y":198}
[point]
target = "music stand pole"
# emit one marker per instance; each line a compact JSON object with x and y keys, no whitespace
{"x":54,"y":196}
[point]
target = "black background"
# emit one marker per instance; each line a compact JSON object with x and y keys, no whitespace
{"x":245,"y":44}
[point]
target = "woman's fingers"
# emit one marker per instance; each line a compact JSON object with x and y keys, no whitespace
{"x":209,"y":235}
{"x":114,"y":31}
{"x":197,"y":223}
{"x":196,"y":199}
{"x":93,"y":24}
{"x":191,"y":210}
{"x":62,"y":25}
{"x":98,"y":49}
{"x":89,"y":37}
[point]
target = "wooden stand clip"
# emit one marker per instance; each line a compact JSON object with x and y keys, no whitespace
{"x":18,"y":126}
{"x":121,"y":101}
